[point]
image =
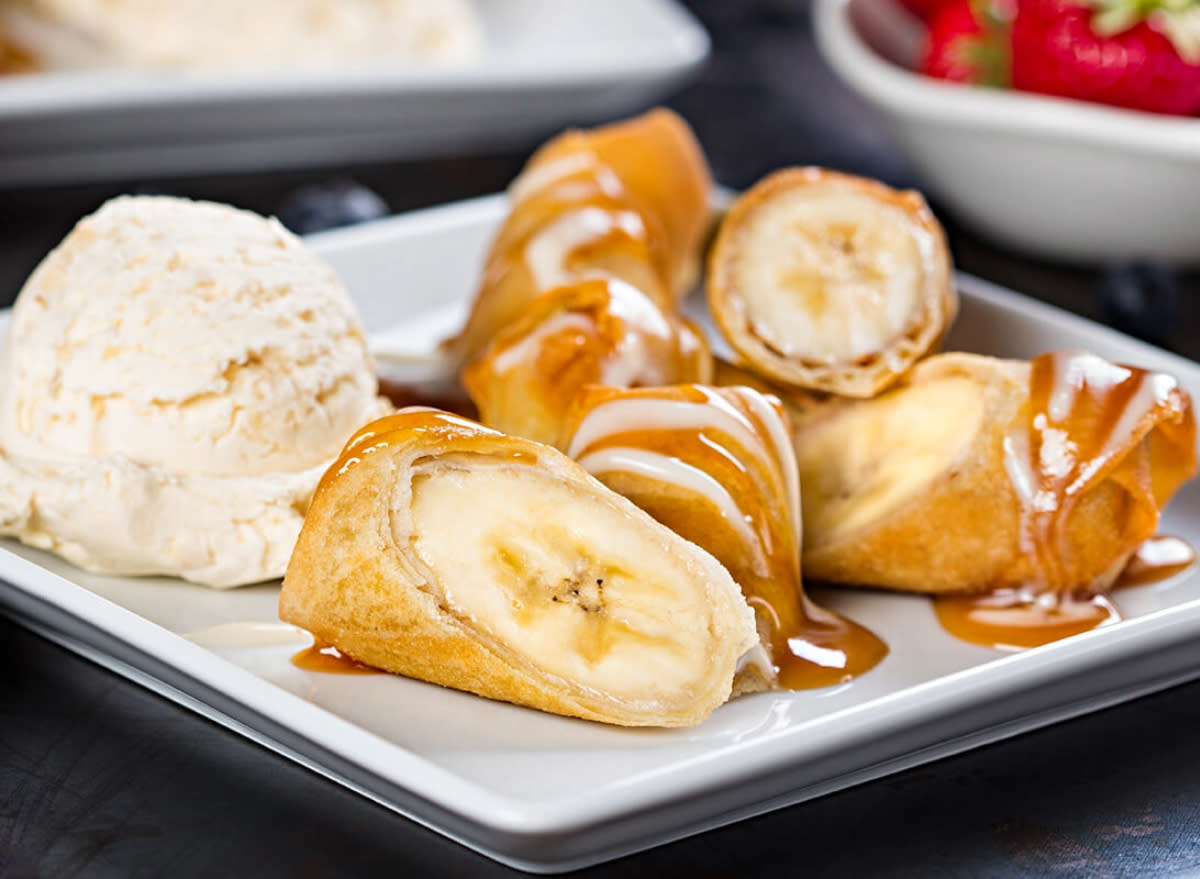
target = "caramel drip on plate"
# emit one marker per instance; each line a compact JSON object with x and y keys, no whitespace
{"x":1157,"y":559}
{"x":1012,"y":619}
{"x":14,"y":59}
{"x":1087,"y":421}
{"x":716,"y":466}
{"x":328,"y":659}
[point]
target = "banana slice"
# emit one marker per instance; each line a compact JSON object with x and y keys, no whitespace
{"x":978,"y":474}
{"x":442,"y":550}
{"x":831,"y":282}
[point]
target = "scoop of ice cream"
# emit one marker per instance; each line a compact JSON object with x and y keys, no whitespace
{"x":176,"y":377}
{"x":234,"y":33}
{"x":185,"y":335}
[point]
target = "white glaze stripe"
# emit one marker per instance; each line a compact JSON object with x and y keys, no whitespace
{"x":624,"y":415}
{"x":546,"y":252}
{"x":540,"y":176}
{"x":770,"y":419}
{"x":666,"y":468}
{"x":525,"y":351}
{"x":1057,"y":456}
{"x":1153,"y":391}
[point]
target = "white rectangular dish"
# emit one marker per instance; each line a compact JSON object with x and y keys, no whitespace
{"x":545,"y":64}
{"x":547,"y":793}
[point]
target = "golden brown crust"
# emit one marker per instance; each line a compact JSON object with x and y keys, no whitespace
{"x":644,"y":186}
{"x":672,"y":181}
{"x":962,"y":531}
{"x":352,"y":585}
{"x":594,"y":332}
{"x":871,"y":373}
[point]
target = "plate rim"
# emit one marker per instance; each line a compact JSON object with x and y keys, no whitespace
{"x":682,"y":45}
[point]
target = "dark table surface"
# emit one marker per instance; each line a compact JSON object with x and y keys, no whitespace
{"x":101,"y":778}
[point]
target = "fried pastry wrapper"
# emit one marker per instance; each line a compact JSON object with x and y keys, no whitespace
{"x":977,"y":474}
{"x":628,"y":201}
{"x":830,"y":282}
{"x":593,"y":332}
{"x":716,"y":466}
{"x":445,"y":551}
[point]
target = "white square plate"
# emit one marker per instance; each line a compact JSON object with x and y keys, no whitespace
{"x":545,"y":64}
{"x":545,"y":793}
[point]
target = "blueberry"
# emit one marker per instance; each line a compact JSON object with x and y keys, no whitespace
{"x":319,"y":206}
{"x":1142,"y":299}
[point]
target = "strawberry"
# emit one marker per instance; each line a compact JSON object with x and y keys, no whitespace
{"x":925,"y":9}
{"x":967,"y":42}
{"x":1139,"y":54}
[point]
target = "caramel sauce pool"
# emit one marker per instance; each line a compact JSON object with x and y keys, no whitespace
{"x":821,"y":649}
{"x":1159,"y":558}
{"x":1015,"y":620}
{"x":14,"y":59}
{"x":328,"y":659}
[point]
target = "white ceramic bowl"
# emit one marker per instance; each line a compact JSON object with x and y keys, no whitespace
{"x":1060,"y":179}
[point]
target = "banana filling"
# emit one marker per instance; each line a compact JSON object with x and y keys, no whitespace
{"x":566,"y":582}
{"x":829,"y":276}
{"x":870,"y":459}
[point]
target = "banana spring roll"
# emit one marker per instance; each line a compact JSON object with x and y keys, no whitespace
{"x":830,"y":282}
{"x":716,"y":466}
{"x":442,"y":550}
{"x":627,"y":201}
{"x":977,"y":474}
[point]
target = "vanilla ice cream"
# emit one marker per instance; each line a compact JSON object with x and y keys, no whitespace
{"x":240,"y":34}
{"x":177,"y":376}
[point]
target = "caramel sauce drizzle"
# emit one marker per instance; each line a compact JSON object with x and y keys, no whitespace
{"x":15,"y":60}
{"x":398,"y":427}
{"x":1084,"y":423}
{"x":593,"y":332}
{"x":572,"y":220}
{"x":716,"y":467}
{"x":577,"y":288}
{"x":328,"y":659}
{"x":1015,"y":619}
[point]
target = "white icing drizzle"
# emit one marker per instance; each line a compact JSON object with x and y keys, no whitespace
{"x":633,"y":306}
{"x":1058,"y":455}
{"x":525,"y":351}
{"x":636,"y":363}
{"x":666,"y":468}
{"x":534,"y":180}
{"x":784,"y":452}
{"x":248,"y":635}
{"x":717,"y":413}
{"x":630,"y":414}
{"x":546,"y":252}
{"x":1153,"y":390}
{"x":633,"y":363}
{"x":758,"y":658}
